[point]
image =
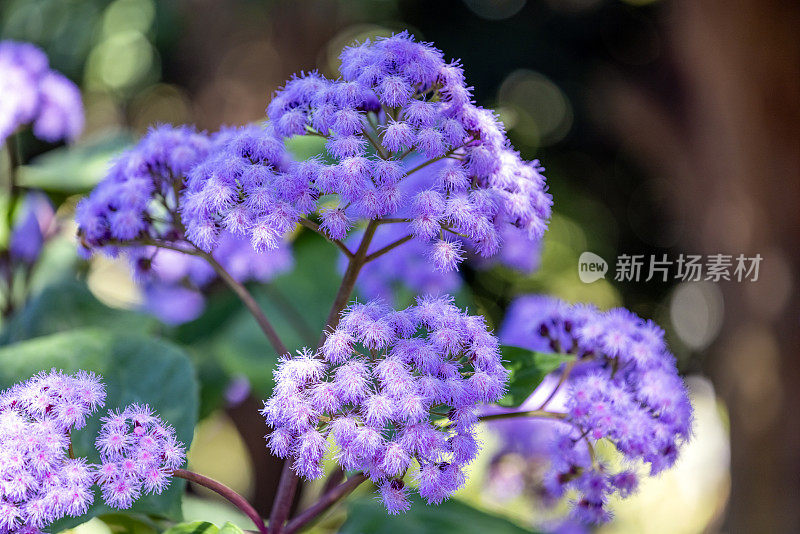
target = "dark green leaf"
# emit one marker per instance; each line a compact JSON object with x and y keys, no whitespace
{"x":528,"y":369}
{"x":367,"y":516}
{"x":134,"y":368}
{"x":68,"y":305}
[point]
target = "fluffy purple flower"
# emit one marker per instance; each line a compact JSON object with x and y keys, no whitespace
{"x":176,"y":172}
{"x":242,"y":188}
{"x":374,"y":388}
{"x":623,"y":387}
{"x":31,"y":229}
{"x":138,"y":452}
{"x":40,"y":482}
{"x":397,"y":96}
{"x":130,"y":205}
{"x":30,"y":92}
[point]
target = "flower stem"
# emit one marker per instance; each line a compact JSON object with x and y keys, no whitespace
{"x":564,"y":375}
{"x":544,"y":414}
{"x":289,"y":480}
{"x":325,"y":502}
{"x":349,"y":279}
{"x":234,"y":498}
{"x":311,"y":225}
{"x":249,"y":302}
{"x":281,"y":507}
{"x":387,"y":248}
{"x":14,"y":159}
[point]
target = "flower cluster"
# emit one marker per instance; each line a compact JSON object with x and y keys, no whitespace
{"x":624,"y":387}
{"x":138,"y":452}
{"x":140,"y":204}
{"x":392,"y":388}
{"x":245,"y":188}
{"x":39,"y":481}
{"x":133,"y":204}
{"x":396,"y":97}
{"x":31,"y":92}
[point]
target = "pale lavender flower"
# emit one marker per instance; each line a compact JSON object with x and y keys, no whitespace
{"x":138,"y":452}
{"x":40,"y":482}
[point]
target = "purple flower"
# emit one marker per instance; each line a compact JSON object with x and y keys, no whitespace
{"x":32,"y":93}
{"x":395,"y":95}
{"x":29,"y":232}
{"x":624,"y":387}
{"x":138,"y":452}
{"x":41,"y":483}
{"x":368,"y":391}
{"x":128,"y":206}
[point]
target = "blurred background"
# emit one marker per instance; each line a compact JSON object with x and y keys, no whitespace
{"x":665,"y":126}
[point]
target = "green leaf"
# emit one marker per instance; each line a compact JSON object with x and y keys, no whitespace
{"x":195,"y":527}
{"x":528,"y":369}
{"x":366,"y":516}
{"x":230,"y":528}
{"x":130,"y":523}
{"x":65,"y":306}
{"x":134,"y":368}
{"x":76,"y":168}
{"x":203,"y":527}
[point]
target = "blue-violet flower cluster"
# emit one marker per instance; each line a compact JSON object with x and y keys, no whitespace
{"x":624,"y":387}
{"x":394,"y":389}
{"x":133,"y":205}
{"x":138,"y":208}
{"x":395,"y":97}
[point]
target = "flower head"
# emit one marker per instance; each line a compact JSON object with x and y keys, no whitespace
{"x":138,"y":452}
{"x":396,"y":96}
{"x":624,"y":387}
{"x":41,"y":482}
{"x":377,"y":387}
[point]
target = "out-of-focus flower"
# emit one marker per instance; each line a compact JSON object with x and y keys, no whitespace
{"x":30,"y":92}
{"x":623,"y":387}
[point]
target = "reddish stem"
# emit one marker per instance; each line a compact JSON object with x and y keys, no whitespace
{"x":234,"y":498}
{"x":326,"y":501}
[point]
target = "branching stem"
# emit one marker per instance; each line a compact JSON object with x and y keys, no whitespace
{"x":311,"y":225}
{"x":327,"y":500}
{"x":380,"y":252}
